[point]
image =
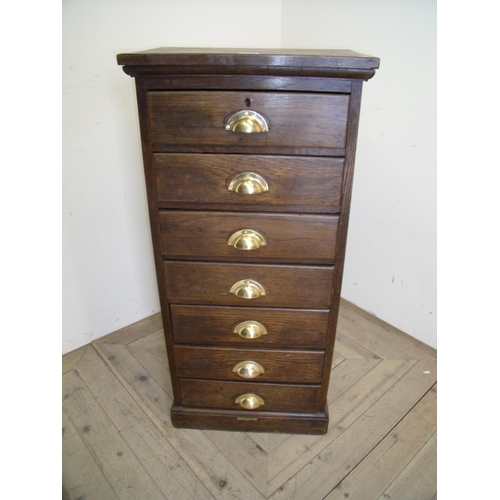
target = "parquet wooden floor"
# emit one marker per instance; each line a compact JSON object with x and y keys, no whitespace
{"x":118,"y":442}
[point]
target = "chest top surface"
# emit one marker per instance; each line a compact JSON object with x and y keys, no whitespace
{"x":265,"y":61}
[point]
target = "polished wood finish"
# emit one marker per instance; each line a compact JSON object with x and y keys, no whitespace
{"x":311,"y":102}
{"x":244,"y":82}
{"x":118,"y":440}
{"x":209,"y":325}
{"x":326,"y":63}
{"x":307,"y":239}
{"x":291,"y":422}
{"x":278,"y":397}
{"x":302,"y":367}
{"x":298,"y":123}
{"x":296,"y":184}
{"x":285,"y":286}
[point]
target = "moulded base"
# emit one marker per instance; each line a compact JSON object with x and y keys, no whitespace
{"x":245,"y":421}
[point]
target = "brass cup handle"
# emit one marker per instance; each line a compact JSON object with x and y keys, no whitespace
{"x":250,"y":329}
{"x":248,"y":369}
{"x":249,"y":401}
{"x":248,"y":183}
{"x":248,"y":289}
{"x":247,"y":122}
{"x":246,"y":239}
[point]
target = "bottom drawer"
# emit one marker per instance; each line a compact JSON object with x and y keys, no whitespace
{"x":274,"y":397}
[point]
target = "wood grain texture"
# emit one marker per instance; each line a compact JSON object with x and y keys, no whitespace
{"x":149,"y":174}
{"x":259,"y":421}
{"x":285,"y":286}
{"x":304,"y":367}
{"x":278,"y":397}
{"x":202,"y":61}
{"x":313,"y":115}
{"x":377,"y":471}
{"x":418,"y":479}
{"x":221,"y":478}
{"x":347,"y":184}
{"x":355,"y":319}
{"x":127,"y":477}
{"x":370,"y":399}
{"x":302,"y":239}
{"x":295,"y":183}
{"x":251,"y":57}
{"x":135,"y":331}
{"x":337,"y":459}
{"x":209,"y":325}
{"x":361,"y":391}
{"x":71,"y":359}
{"x":82,"y":474}
{"x":244,"y":82}
{"x":297,"y":122}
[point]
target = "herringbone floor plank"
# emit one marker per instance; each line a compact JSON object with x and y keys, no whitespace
{"x":118,"y":441}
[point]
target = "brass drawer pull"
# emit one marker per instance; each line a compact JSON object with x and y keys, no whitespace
{"x":248,"y":183}
{"x":247,"y":289}
{"x":249,"y":401}
{"x":250,"y":329}
{"x":246,"y":239}
{"x":249,"y":369}
{"x":247,"y":122}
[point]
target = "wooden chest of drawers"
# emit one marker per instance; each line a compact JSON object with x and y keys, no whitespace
{"x":249,"y":161}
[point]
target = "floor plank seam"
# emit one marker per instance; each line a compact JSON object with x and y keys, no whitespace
{"x":359,"y":349}
{"x":433,"y":386}
{"x":144,"y":337}
{"x":84,"y":441}
{"x":365,"y":385}
{"x":359,"y":415}
{"x":403,"y":353}
{"x":404,"y":468}
{"x":160,"y":425}
{"x":159,"y":382}
{"x":379,"y":323}
{"x":82,"y":349}
{"x":347,"y":388}
{"x":383,"y":437}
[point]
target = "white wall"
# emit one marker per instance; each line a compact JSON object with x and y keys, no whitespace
{"x":108,"y":271}
{"x":390,"y":267}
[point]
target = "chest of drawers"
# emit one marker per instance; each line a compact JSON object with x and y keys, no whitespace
{"x":248,"y":161}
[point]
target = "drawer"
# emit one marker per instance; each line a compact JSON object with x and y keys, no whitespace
{"x":291,"y":183}
{"x":259,"y":365}
{"x":203,"y":283}
{"x":308,"y":239}
{"x":276,"y":397}
{"x":299,"y":123}
{"x":248,"y":326}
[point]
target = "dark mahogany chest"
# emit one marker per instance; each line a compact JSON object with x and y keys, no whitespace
{"x":248,"y":159}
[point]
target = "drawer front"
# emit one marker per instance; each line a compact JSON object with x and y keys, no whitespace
{"x":293,"y":183}
{"x":273,"y":365}
{"x":249,"y":327}
{"x":248,"y":237}
{"x":272,"y":286}
{"x":298,"y":123}
{"x":276,"y":397}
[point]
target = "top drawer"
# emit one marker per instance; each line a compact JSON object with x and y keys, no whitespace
{"x":298,"y":123}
